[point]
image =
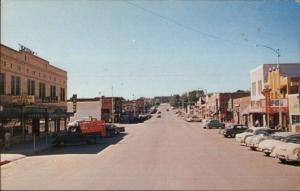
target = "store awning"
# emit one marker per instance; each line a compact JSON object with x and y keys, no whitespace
{"x":58,"y":113}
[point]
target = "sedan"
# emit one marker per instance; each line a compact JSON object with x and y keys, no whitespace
{"x":241,"y":137}
{"x":232,"y":130}
{"x":264,"y":134}
{"x":267,"y":146}
{"x":213,"y":124}
{"x":289,"y":150}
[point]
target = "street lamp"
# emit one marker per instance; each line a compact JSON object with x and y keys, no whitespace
{"x":277,"y":52}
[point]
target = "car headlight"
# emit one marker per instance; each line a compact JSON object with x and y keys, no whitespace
{"x":297,"y":153}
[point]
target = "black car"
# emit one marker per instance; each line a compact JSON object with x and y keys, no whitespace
{"x":213,"y":124}
{"x":232,"y":130}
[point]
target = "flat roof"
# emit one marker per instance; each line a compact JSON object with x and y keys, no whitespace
{"x":5,"y":46}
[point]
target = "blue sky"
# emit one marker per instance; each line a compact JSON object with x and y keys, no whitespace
{"x":148,"y":48}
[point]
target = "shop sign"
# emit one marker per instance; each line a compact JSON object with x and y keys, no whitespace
{"x":24,"y":100}
{"x":279,"y":103}
{"x":50,"y":99}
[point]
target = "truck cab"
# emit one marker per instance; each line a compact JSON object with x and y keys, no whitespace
{"x":81,"y":132}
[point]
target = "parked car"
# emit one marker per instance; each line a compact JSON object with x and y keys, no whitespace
{"x":196,"y":119}
{"x":112,"y":129}
{"x":213,"y":124}
{"x":258,"y":136}
{"x":267,"y":146}
{"x":189,"y":119}
{"x":232,"y":130}
{"x":241,"y":137}
{"x":289,"y":150}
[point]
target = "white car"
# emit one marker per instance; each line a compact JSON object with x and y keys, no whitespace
{"x":241,"y":137}
{"x":289,"y":150}
{"x":189,"y":119}
{"x":267,"y":146}
{"x":258,"y":136}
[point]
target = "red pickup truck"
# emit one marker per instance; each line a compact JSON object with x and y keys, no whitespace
{"x":85,"y":132}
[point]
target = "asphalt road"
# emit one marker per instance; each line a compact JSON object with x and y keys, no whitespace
{"x":166,"y":153}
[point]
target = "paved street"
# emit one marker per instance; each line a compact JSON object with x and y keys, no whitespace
{"x":166,"y":153}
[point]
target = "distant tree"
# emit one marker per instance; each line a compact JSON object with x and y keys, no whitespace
{"x":184,"y":100}
{"x":240,"y":91}
{"x":175,"y":101}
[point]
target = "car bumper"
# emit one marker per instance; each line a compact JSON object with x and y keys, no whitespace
{"x":239,"y":140}
{"x":252,"y":145}
{"x":287,"y":158}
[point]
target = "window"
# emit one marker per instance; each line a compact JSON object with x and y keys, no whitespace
{"x":254,"y":88}
{"x":42,"y":90}
{"x":2,"y":84}
{"x":259,"y":86}
{"x":295,"y":119}
{"x":52,"y":91}
{"x":62,"y":94}
{"x":15,"y":85}
{"x":30,"y":87}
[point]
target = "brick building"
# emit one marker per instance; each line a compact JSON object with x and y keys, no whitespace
{"x":111,"y":108}
{"x":240,"y":108}
{"x":32,"y":94}
{"x":217,"y":105}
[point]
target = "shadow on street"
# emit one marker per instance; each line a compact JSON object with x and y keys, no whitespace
{"x":72,"y":149}
{"x":84,"y":148}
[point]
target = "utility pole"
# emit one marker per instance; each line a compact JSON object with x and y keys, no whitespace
{"x":112,"y":105}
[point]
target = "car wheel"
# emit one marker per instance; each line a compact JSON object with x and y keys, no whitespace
{"x":253,"y":148}
{"x":93,"y":140}
{"x":267,"y":154}
{"x":232,"y":135}
{"x":282,"y":160}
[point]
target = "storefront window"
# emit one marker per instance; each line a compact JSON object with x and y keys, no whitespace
{"x":295,"y":119}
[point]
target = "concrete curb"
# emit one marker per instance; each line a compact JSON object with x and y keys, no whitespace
{"x":14,"y":157}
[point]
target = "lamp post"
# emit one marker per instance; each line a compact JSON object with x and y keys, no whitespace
{"x":277,"y":52}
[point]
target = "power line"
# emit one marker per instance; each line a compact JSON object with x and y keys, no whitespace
{"x":185,"y":26}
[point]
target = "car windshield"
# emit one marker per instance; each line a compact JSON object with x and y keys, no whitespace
{"x":275,"y":137}
{"x":295,"y":140}
{"x":249,"y":131}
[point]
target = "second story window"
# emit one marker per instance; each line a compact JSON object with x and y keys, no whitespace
{"x":30,"y":87}
{"x":2,"y":84}
{"x":52,"y":91}
{"x":42,"y":90}
{"x":62,"y":94}
{"x":253,"y":89}
{"x":259,"y":86}
{"x":15,"y":85}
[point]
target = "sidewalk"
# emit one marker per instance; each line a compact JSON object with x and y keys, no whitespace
{"x":23,"y":150}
